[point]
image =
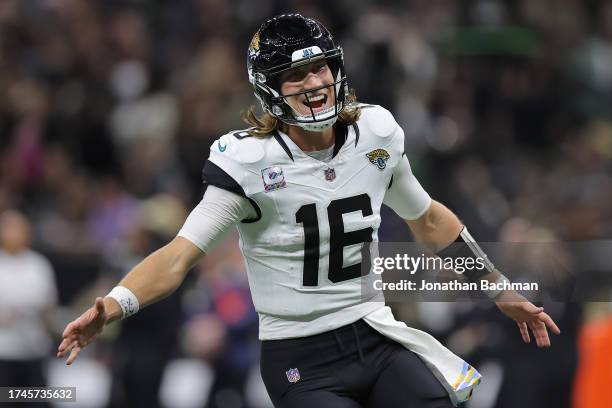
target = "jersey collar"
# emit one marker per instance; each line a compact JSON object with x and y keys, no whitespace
{"x":341,"y":135}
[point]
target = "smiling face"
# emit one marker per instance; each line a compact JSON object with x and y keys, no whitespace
{"x":308,"y":77}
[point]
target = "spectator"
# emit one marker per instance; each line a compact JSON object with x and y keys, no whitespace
{"x":27,"y":299}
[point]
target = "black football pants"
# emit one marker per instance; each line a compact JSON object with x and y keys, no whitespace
{"x":350,"y":367}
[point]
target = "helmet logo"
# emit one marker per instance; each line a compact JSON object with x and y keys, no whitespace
{"x":255,"y":42}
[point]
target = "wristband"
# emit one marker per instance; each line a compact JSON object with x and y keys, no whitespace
{"x":126,"y":299}
{"x":500,"y":284}
{"x":465,"y":246}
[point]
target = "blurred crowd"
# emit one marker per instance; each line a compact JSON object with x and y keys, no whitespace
{"x":108,"y":109}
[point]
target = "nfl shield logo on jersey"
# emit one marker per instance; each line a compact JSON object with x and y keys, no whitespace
{"x":273,"y":178}
{"x":330,"y":174}
{"x":293,"y":375}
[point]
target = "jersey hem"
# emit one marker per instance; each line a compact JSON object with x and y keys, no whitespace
{"x":323,"y":324}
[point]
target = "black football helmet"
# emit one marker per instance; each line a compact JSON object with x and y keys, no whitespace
{"x":285,"y":42}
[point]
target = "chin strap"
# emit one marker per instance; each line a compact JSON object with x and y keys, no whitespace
{"x":318,"y":126}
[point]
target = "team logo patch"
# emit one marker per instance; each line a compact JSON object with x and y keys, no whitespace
{"x":273,"y":178}
{"x":378,"y":158}
{"x":293,"y":375}
{"x":330,"y":174}
{"x":222,"y":147}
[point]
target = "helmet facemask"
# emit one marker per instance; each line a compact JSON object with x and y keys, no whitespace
{"x":267,"y":89}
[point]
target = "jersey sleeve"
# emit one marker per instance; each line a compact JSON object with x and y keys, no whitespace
{"x":226,"y":168}
{"x":218,"y":211}
{"x":405,"y":195}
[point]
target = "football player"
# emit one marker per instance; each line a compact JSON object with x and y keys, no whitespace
{"x":304,"y":185}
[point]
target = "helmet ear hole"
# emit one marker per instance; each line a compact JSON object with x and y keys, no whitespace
{"x":277,"y":110}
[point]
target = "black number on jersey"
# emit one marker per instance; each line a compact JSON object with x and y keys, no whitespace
{"x":307,"y":215}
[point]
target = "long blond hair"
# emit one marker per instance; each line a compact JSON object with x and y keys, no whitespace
{"x":263,"y":125}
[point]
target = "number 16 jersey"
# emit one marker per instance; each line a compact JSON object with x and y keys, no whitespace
{"x":309,"y":246}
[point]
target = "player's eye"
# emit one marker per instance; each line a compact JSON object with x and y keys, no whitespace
{"x":318,"y":68}
{"x":299,"y":74}
{"x":295,"y":77}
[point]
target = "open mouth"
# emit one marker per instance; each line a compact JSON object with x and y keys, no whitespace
{"x":317,"y":103}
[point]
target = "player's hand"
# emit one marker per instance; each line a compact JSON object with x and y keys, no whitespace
{"x":527,"y":316}
{"x":82,"y":331}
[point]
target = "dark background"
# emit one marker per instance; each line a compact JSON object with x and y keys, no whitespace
{"x":108,"y":109}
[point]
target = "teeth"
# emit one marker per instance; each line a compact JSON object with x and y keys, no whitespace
{"x":317,"y":98}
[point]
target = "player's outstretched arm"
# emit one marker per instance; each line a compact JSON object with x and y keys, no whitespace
{"x":156,"y":277}
{"x":438,"y":227}
{"x":527,"y":316}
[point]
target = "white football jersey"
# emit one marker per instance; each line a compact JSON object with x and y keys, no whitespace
{"x":305,"y":251}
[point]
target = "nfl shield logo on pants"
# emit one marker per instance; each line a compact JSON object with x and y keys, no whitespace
{"x":293,"y":375}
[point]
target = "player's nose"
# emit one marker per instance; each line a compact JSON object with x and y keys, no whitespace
{"x":312,"y":81}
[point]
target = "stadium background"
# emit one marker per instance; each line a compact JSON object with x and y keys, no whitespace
{"x":108,"y":109}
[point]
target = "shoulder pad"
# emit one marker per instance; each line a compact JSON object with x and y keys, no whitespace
{"x":378,"y":120}
{"x":229,"y":165}
{"x":239,"y":146}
